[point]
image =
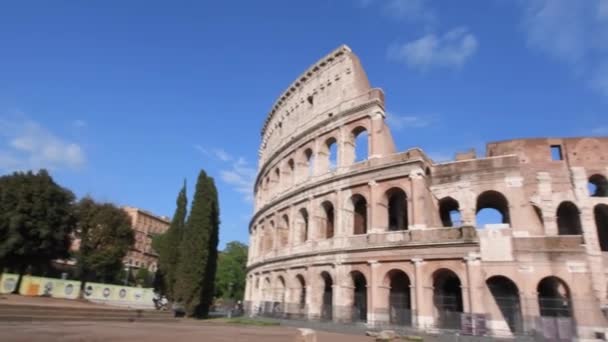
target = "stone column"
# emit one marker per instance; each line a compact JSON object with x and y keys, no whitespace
{"x":417,"y":194}
{"x":475,"y":284}
{"x":375,"y":143}
{"x":376,"y":312}
{"x":423,"y":306}
{"x":374,"y":225}
{"x":340,"y":293}
{"x":545,"y":193}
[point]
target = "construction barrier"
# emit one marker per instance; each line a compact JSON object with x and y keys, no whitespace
{"x":49,"y":287}
{"x":118,"y":295}
{"x":8,"y":282}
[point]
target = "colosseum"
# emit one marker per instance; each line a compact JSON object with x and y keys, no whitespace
{"x":376,"y":237}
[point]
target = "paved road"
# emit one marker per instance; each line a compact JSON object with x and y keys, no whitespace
{"x":185,"y":331}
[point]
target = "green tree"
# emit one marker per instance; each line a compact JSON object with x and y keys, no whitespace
{"x":144,"y":277}
{"x":36,"y":220}
{"x":208,"y":290}
{"x":198,"y":250}
{"x":167,"y":245}
{"x":231,"y":271}
{"x":106,"y":235}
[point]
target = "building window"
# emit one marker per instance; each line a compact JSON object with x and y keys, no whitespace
{"x":556,"y":152}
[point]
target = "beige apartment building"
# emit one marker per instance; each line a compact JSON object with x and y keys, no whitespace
{"x":146,"y":225}
{"x":394,"y":238}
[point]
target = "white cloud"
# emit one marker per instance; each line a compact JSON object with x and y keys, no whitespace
{"x":450,"y":50}
{"x":222,"y":155}
{"x":399,"y":122}
{"x":236,"y":171}
{"x":410,"y":10}
{"x":573,"y":32}
{"x":29,"y":145}
{"x":600,"y":130}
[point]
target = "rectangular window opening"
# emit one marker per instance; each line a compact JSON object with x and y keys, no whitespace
{"x":556,"y":152}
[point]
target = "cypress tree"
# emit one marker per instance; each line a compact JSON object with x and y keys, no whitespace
{"x":194,"y":250}
{"x":208,"y":290}
{"x":170,"y":244}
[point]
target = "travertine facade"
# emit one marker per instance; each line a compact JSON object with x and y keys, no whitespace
{"x":379,"y":240}
{"x":145,"y":225}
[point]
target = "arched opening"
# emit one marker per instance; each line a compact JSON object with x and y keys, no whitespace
{"x":332,"y":153}
{"x":284,"y":233}
{"x":268,"y":245}
{"x":506,"y":295}
{"x":397,"y":209}
{"x":492,"y":208}
{"x":302,"y":291}
{"x":449,"y":211}
{"x":308,"y":155}
{"x":277,"y":179}
{"x":399,"y":299}
{"x":291,"y":171}
{"x":554,"y":298}
{"x":326,"y":305}
{"x":539,"y":215}
{"x":598,"y":186}
{"x":303,"y":225}
{"x":447,"y":298}
{"x":328,"y":219}
{"x":568,"y":219}
{"x":280,"y":295}
{"x":359,"y":204}
{"x":361,"y":142}
{"x":267,"y":297}
{"x":600,"y":212}
{"x":359,"y":313}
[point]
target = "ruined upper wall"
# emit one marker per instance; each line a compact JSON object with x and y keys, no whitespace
{"x":588,"y":152}
{"x":314,"y":97}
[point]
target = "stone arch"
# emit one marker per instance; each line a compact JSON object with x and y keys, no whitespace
{"x":328,"y":155}
{"x":283,"y":235}
{"x":600,"y":213}
{"x":449,"y":212}
{"x":358,"y":283}
{"x":598,"y":185}
{"x":290,"y":172}
{"x":361,"y":143}
{"x":399,"y":297}
{"x":303,"y":225}
{"x":568,"y":219}
{"x":506,"y":296}
{"x":280,"y":289}
{"x":328,"y":220}
{"x":267,"y":290}
{"x":554,"y":297}
{"x":396,"y":200}
{"x":309,"y":162}
{"x":269,"y":237}
{"x":277,"y":179}
{"x":494,"y":200}
{"x":300,"y":291}
{"x":358,"y":204}
{"x":327,"y":296}
{"x":447,"y":298}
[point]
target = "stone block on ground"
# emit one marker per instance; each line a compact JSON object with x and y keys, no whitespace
{"x":306,"y":335}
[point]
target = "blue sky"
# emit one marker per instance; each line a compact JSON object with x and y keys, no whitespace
{"x":122,"y":100}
